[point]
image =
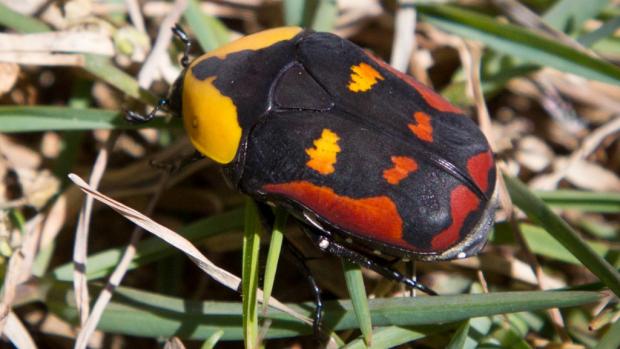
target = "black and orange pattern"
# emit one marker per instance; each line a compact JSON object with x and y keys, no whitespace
{"x":375,"y":155}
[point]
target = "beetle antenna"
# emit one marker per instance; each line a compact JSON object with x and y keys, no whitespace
{"x":137,"y":118}
{"x":187,"y":43}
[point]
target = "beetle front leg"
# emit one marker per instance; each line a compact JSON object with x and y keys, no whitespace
{"x":327,"y":244}
{"x":137,"y":118}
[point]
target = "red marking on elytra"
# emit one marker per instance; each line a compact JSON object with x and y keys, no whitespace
{"x":403,"y":165}
{"x":422,"y":128}
{"x":462,"y":202}
{"x":373,"y":217}
{"x":431,"y":97}
{"x":478,"y":167}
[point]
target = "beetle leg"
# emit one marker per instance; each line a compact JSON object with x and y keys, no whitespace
{"x":173,"y":166}
{"x":137,"y":118}
{"x":266,"y":215}
{"x":267,"y":218}
{"x":187,"y":43}
{"x":411,"y":272}
{"x":300,"y":262}
{"x":327,"y":244}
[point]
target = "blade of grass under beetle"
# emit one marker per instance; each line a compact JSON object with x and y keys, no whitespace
{"x":275,"y":247}
{"x":249,"y":275}
{"x":209,"y":31}
{"x":390,"y":337}
{"x":519,"y":42}
{"x":359,"y":299}
{"x":101,"y":67}
{"x":561,"y":231}
{"x":460,"y":336}
{"x":21,"y":23}
{"x":582,"y":200}
{"x":48,"y":118}
{"x":146,"y":314}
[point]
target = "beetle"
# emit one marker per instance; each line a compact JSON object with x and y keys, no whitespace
{"x":365,"y":157}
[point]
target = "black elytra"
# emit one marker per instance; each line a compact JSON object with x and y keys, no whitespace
{"x":353,"y":149}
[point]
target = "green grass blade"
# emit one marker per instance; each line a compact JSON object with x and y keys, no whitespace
{"x":213,"y":340}
{"x":604,"y":31}
{"x":359,"y":299}
{"x":458,"y":339}
{"x":561,"y":231}
{"x":209,"y":31}
{"x":20,"y":23}
{"x":275,"y":247}
{"x":582,"y":200}
{"x":510,"y":339}
{"x":294,"y":11}
{"x":249,"y":286}
{"x":542,"y":243}
{"x":147,"y":314}
{"x":48,"y":118}
{"x":390,"y":337}
{"x":520,"y":42}
{"x":325,"y":16}
{"x":611,"y":339}
{"x":569,"y":15}
{"x":102,"y":68}
{"x":153,"y":249}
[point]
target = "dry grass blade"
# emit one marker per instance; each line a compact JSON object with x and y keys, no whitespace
{"x":10,"y":284}
{"x":158,"y":54}
{"x":521,"y":14}
{"x":19,"y":268}
{"x":589,"y":145}
{"x":80,"y":248}
{"x":220,"y":275}
{"x":404,"y":38}
{"x":174,"y":343}
{"x":471,"y":55}
{"x":117,"y":276}
{"x":57,"y":42}
{"x":43,"y":58}
{"x":17,"y":333}
{"x":133,"y":9}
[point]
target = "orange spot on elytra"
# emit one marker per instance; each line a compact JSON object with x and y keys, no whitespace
{"x":422,"y":128}
{"x":478,"y":167}
{"x":363,"y":77}
{"x":431,"y":97}
{"x":323,"y":154}
{"x":373,"y":217}
{"x":462,"y":202}
{"x":403,"y":165}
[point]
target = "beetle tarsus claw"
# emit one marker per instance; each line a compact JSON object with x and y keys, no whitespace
{"x":137,"y":118}
{"x":187,"y":43}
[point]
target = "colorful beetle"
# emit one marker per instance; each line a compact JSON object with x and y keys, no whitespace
{"x":355,"y":150}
